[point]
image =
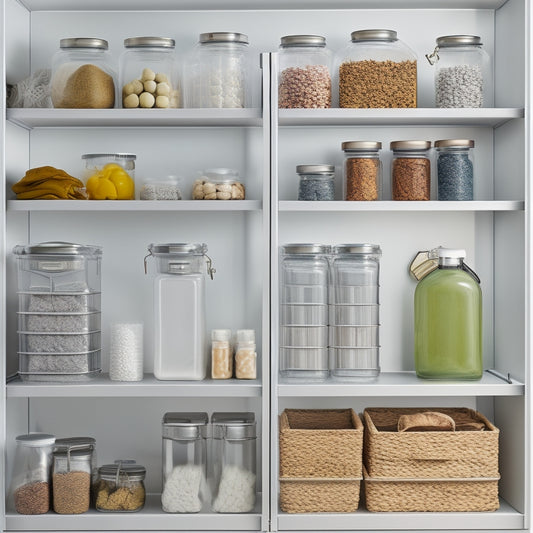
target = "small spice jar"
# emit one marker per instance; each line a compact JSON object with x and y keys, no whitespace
{"x":148,"y":74}
{"x":463,"y":74}
{"x":221,"y":354}
{"x":305,"y":72}
{"x":121,"y":487}
{"x":184,"y":462}
{"x":377,"y":70}
{"x":362,"y":170}
{"x":83,"y":75}
{"x":218,"y":184}
{"x":245,"y":355}
{"x":455,"y":169}
{"x":71,"y":478}
{"x":234,"y":462}
{"x":31,"y":484}
{"x":317,"y":182}
{"x":218,"y":71}
{"x":411,"y":177}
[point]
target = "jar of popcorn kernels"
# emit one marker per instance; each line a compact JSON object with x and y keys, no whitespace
{"x":148,"y":73}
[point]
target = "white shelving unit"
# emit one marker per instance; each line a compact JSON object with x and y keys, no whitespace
{"x":265,"y":145}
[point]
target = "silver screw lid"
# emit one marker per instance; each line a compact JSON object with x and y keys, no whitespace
{"x":458,"y":40}
{"x":84,"y":42}
{"x":302,"y":40}
{"x":57,"y":248}
{"x":454,"y":143}
{"x":374,"y":35}
{"x":410,"y":145}
{"x":304,"y":248}
{"x":185,"y":426}
{"x":315,"y":169}
{"x":363,"y":248}
{"x":146,"y":42}
{"x":178,"y":248}
{"x":224,"y":37}
{"x":233,"y":426}
{"x":355,"y":146}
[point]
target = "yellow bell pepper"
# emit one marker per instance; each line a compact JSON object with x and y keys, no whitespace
{"x":111,"y":183}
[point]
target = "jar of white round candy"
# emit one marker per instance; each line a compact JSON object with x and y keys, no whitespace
{"x":166,"y":188}
{"x":463,"y":75}
{"x":218,"y":184}
{"x":148,"y":73}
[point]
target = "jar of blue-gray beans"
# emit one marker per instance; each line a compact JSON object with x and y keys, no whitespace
{"x":317,"y":182}
{"x":455,"y":169}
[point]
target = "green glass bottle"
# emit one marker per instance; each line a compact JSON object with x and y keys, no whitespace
{"x":448,"y":321}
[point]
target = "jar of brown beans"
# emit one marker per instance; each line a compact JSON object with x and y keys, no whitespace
{"x":411,"y":170}
{"x":362,"y":170}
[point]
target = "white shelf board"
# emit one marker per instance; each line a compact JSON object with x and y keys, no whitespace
{"x":403,"y":384}
{"x":254,"y":5}
{"x":398,"y":117}
{"x":30,"y":118}
{"x":476,"y":205}
{"x":505,"y":518}
{"x":151,"y":517}
{"x":102,"y":386}
{"x":133,"y":205}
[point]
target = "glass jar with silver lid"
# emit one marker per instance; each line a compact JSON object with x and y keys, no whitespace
{"x":317,"y":182}
{"x":83,"y":75}
{"x":184,"y":462}
{"x":218,"y":72}
{"x":376,"y":70}
{"x":463,"y":72}
{"x":121,"y":487}
{"x":234,"y":462}
{"x":304,"y":72}
{"x":148,"y":73}
{"x":362,"y":170}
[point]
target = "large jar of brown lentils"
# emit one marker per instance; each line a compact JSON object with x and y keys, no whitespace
{"x":411,"y":170}
{"x":376,"y":70}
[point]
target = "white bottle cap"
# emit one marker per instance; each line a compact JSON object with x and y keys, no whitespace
{"x":221,"y":335}
{"x":245,"y":335}
{"x":452,"y":253}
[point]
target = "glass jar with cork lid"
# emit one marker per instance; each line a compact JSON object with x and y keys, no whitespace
{"x":411,"y":170}
{"x":377,"y":70}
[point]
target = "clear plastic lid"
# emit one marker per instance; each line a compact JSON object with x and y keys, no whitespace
{"x":36,"y":440}
{"x":245,"y":336}
{"x":221,"y":335}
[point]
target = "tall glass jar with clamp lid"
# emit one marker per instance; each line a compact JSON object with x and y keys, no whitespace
{"x":463,"y":72}
{"x":180,"y":350}
{"x":184,"y":462}
{"x":218,"y":72}
{"x":148,"y":73}
{"x":305,"y":72}
{"x":83,"y":75}
{"x":81,"y":443}
{"x":234,"y":462}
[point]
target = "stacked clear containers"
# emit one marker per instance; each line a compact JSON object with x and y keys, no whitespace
{"x":234,"y":462}
{"x":59,"y":311}
{"x":354,"y":311}
{"x":304,"y":312}
{"x":184,"y":462}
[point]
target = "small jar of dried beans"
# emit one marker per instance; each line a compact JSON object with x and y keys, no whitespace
{"x":411,"y":167}
{"x":362,"y":170}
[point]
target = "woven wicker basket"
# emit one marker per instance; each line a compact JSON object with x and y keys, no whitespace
{"x":430,"y":470}
{"x":320,"y":460}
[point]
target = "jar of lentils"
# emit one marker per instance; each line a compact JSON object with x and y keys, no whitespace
{"x":411,"y":176}
{"x":455,"y":169}
{"x":463,"y":75}
{"x":317,"y":182}
{"x":148,"y":74}
{"x":362,"y":170}
{"x":305,"y":77}
{"x":377,"y":70}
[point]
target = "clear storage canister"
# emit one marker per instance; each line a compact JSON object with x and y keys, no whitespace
{"x":234,"y":462}
{"x":217,"y":73}
{"x":377,"y":70}
{"x":463,"y":72}
{"x":148,"y":73}
{"x":71,"y":479}
{"x":354,"y":311}
{"x":184,"y":462}
{"x":316,"y":182}
{"x":109,"y":176}
{"x":304,"y":309}
{"x":305,"y":72}
{"x":180,"y":350}
{"x":218,"y":184}
{"x":30,"y":489}
{"x":362,"y":170}
{"x":83,"y":75}
{"x":120,"y":487}
{"x":81,"y":443}
{"x":455,"y":169}
{"x":411,"y":170}
{"x":59,"y":311}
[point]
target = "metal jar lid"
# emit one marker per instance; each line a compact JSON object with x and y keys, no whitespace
{"x":75,"y":443}
{"x":233,"y":426}
{"x":363,"y":248}
{"x":131,"y":470}
{"x":116,"y":157}
{"x":374,"y":35}
{"x":224,"y":37}
{"x":185,"y":426}
{"x":315,"y":169}
{"x":84,"y":42}
{"x":75,"y":453}
{"x":147,"y":42}
{"x":410,"y":145}
{"x":304,"y":248}
{"x":361,"y":146}
{"x":458,"y":40}
{"x":35,"y":440}
{"x":454,"y":143}
{"x":57,"y":248}
{"x":178,"y":248}
{"x":302,"y":40}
